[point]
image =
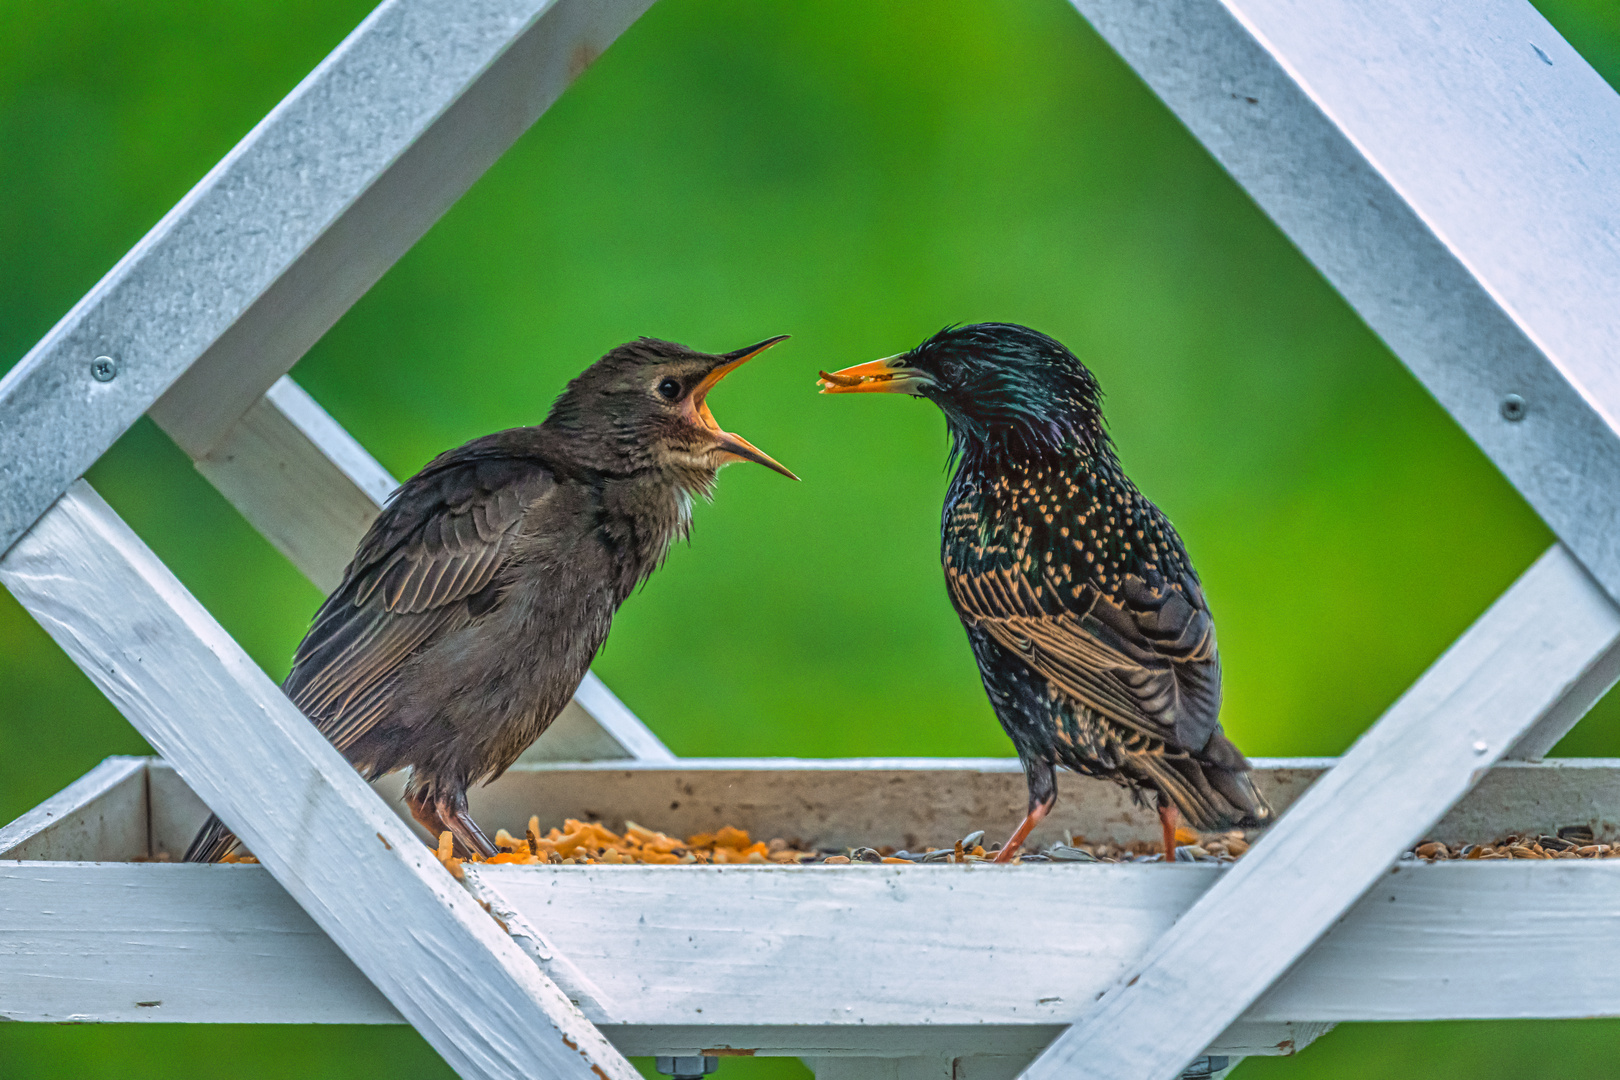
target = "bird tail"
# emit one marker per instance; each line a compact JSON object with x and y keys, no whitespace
{"x":1213,"y":790}
{"x":212,"y":843}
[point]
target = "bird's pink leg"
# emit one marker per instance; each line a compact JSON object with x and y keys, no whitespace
{"x":1025,"y":827}
{"x":422,"y":809}
{"x":1168,"y":819}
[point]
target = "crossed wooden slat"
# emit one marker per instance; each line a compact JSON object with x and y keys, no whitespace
{"x":1450,"y":166}
{"x":1444,"y":164}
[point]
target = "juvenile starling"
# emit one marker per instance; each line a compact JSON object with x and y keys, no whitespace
{"x":1089,"y":625}
{"x":478,"y":597}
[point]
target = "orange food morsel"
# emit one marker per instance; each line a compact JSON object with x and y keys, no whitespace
{"x":732,"y":838}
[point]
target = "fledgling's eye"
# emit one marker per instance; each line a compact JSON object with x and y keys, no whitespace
{"x":670,"y":387}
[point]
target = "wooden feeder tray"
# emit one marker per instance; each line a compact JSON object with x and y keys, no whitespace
{"x":980,"y":964}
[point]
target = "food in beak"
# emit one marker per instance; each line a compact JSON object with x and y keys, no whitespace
{"x":887,"y":376}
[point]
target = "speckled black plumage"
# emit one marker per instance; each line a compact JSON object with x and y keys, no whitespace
{"x":1089,"y":624}
{"x":475,"y":602}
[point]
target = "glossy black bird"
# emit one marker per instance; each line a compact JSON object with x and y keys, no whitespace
{"x":477,"y":599}
{"x":1091,"y":631}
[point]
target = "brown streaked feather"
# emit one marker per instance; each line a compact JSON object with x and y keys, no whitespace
{"x":423,"y":571}
{"x":1141,"y":665}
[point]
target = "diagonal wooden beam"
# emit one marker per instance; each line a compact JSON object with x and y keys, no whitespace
{"x":348,"y":861}
{"x":1525,"y":657}
{"x":235,"y":283}
{"x":1448,"y":167}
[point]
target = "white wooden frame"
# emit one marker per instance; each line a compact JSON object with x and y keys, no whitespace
{"x":952,"y":964}
{"x":1445,"y":164}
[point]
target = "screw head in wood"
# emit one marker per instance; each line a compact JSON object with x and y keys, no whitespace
{"x":104,"y":369}
{"x":1513,"y":408}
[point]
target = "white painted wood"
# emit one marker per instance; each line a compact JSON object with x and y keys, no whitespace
{"x":1555,"y":724}
{"x":237,"y":741}
{"x":312,"y":490}
{"x":102,"y":815}
{"x":609,"y":714}
{"x":834,"y":802}
{"x":1450,"y":168}
{"x":1524,"y":656}
{"x":842,"y":802}
{"x":301,"y":480}
{"x":236,"y":282}
{"x":822,"y":960}
{"x":170,"y":942}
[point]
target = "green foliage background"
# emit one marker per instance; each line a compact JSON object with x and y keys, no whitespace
{"x":857,"y":174}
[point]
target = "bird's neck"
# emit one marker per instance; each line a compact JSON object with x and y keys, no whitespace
{"x":986,"y":461}
{"x":644,"y":512}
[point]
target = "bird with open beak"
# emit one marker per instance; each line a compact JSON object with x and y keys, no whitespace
{"x":477,"y":599}
{"x":1089,"y":625}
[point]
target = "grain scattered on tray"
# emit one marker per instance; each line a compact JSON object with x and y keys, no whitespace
{"x":586,"y":842}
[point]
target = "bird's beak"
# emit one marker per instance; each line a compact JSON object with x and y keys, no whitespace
{"x":890,"y":375}
{"x":734,"y":446}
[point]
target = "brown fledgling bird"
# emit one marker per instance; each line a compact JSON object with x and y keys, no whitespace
{"x":1094,"y":640}
{"x":478,"y":597}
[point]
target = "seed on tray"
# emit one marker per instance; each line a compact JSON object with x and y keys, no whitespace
{"x":577,"y":843}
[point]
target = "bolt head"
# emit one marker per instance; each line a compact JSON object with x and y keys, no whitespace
{"x":104,"y":369}
{"x":1513,"y":408}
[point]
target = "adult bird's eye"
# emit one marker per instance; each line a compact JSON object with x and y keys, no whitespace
{"x":669,"y":387}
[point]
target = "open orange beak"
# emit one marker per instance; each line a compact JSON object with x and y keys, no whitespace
{"x":887,"y":376}
{"x":733,"y":446}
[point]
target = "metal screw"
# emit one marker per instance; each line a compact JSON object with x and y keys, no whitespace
{"x":104,"y":369}
{"x":1513,"y":408}
{"x":692,"y":1067}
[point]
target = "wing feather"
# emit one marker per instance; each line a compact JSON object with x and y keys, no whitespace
{"x":1145,"y":657}
{"x":444,"y":539}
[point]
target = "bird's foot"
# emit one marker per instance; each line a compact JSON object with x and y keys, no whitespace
{"x":1020,"y":834}
{"x":461,"y":825}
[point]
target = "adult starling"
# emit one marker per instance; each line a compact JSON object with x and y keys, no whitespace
{"x":1091,"y":631}
{"x":478,"y":597}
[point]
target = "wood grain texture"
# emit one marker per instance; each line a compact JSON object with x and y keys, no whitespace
{"x":915,"y":802}
{"x":324,"y":835}
{"x":100,"y":816}
{"x":301,"y":480}
{"x":1523,"y":657}
{"x":860,"y":960}
{"x":837,"y":802}
{"x":292,"y":226}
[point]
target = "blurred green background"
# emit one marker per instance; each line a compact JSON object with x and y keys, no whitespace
{"x":857,"y":174}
